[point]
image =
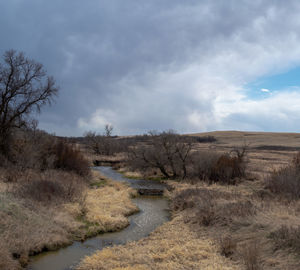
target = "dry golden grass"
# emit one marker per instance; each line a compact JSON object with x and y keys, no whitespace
{"x":171,"y":246}
{"x":28,"y":227}
{"x":109,"y":206}
{"x":263,"y":156}
{"x":129,"y":174}
{"x":233,"y":138}
{"x":183,"y":243}
{"x":271,"y":213}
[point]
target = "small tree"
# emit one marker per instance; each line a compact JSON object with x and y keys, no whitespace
{"x":24,"y":88}
{"x":108,"y":130}
{"x":103,"y":144}
{"x":167,"y":152}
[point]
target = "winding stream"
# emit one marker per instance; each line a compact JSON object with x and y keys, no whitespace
{"x":153,"y":212}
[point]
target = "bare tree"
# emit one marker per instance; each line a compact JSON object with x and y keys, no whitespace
{"x":105,"y":144}
{"x":108,"y":130}
{"x":24,"y":88}
{"x":168,"y":152}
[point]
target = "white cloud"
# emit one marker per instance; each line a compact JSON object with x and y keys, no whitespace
{"x":144,"y":65}
{"x":279,"y":112}
{"x":265,"y":90}
{"x":97,"y":121}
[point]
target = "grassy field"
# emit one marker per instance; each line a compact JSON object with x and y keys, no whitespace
{"x":243,"y":226}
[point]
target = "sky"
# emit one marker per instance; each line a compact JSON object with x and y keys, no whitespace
{"x":141,"y":65}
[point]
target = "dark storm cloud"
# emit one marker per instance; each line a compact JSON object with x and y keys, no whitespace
{"x":142,"y":64}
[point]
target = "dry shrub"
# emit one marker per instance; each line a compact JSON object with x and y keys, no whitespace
{"x":205,"y":139}
{"x":210,"y":213}
{"x":250,"y":254}
{"x":11,"y":175}
{"x":204,"y":207}
{"x":30,"y":149}
{"x":6,"y":259}
{"x":166,"y":152}
{"x":227,"y":245}
{"x":296,"y":160}
{"x":205,"y":213}
{"x":215,"y":167}
{"x":287,"y":237}
{"x":107,"y":145}
{"x":227,"y":169}
{"x":286,"y":181}
{"x":3,"y":161}
{"x":41,"y":151}
{"x":188,"y":198}
{"x":200,"y":201}
{"x":52,"y":187}
{"x":239,"y":209}
{"x":69,"y":158}
{"x":26,"y":228}
{"x":202,"y":164}
{"x":172,"y":155}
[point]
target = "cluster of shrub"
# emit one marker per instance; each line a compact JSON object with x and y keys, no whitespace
{"x":286,"y":181}
{"x":43,"y":167}
{"x":27,"y":155}
{"x":105,"y":145}
{"x":211,"y":207}
{"x":175,"y":157}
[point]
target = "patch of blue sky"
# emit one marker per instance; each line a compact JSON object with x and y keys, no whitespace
{"x":264,"y":86}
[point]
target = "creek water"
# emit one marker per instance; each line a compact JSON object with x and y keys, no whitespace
{"x":153,"y":212}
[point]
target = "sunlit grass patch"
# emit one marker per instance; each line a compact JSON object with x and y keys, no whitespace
{"x":171,"y":246}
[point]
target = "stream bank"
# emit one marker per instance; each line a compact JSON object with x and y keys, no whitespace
{"x":153,"y":213}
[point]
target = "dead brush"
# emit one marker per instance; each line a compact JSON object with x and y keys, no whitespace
{"x":6,"y":259}
{"x":250,"y":254}
{"x":286,"y":181}
{"x":296,"y":160}
{"x":188,"y":198}
{"x":212,"y":167}
{"x":205,"y":207}
{"x":228,"y":169}
{"x":286,"y":238}
{"x":227,"y":245}
{"x":69,"y":158}
{"x":239,"y":209}
{"x":52,"y":187}
{"x":205,"y":212}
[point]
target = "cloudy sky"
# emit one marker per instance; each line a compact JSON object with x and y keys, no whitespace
{"x":142,"y":65}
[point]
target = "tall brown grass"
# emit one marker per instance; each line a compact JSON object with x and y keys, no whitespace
{"x":287,"y":237}
{"x":69,"y":158}
{"x":286,"y":180}
{"x":250,"y":253}
{"x":51,"y":187}
{"x":212,"y":167}
{"x":204,"y":206}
